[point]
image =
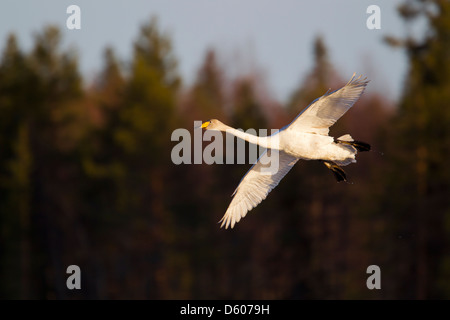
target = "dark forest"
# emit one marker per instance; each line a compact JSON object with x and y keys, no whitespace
{"x":86,"y":179}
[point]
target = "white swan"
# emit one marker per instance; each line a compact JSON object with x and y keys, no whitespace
{"x":304,"y":138}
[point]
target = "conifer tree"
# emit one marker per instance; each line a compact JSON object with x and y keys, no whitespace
{"x":421,"y":143}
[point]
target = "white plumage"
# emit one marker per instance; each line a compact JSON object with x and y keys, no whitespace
{"x":306,"y":137}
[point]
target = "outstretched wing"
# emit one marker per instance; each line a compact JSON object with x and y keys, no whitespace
{"x":254,"y":187}
{"x":323,"y":112}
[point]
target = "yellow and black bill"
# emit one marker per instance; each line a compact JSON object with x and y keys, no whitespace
{"x":205,"y":124}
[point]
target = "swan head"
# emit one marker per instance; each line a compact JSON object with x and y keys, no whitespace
{"x":214,"y":124}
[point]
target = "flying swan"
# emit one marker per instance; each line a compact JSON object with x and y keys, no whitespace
{"x":306,"y":138}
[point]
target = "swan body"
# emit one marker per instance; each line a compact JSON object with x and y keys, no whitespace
{"x":305,"y":138}
{"x":309,"y":146}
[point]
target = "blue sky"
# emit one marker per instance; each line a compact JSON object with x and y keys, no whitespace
{"x":273,"y":35}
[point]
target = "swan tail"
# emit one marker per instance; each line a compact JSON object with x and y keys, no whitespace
{"x":358,"y":145}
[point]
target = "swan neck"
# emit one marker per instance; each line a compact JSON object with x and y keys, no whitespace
{"x":261,"y":141}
